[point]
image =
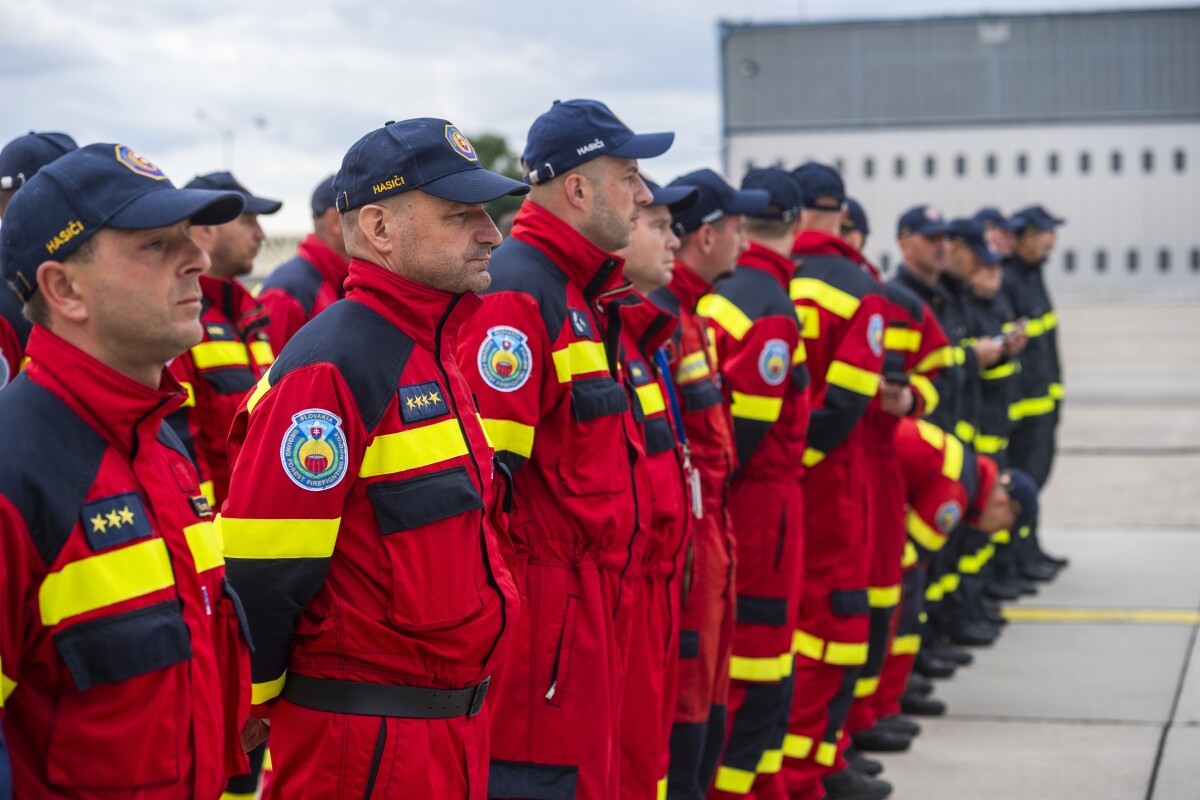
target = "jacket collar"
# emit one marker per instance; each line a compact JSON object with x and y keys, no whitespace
{"x":820,"y":243}
{"x":930,"y":294}
{"x":421,"y":312}
{"x":766,"y":260}
{"x":331,"y":266}
{"x":584,"y":264}
{"x":112,"y":404}
{"x":646,"y":324}
{"x":687,"y":286}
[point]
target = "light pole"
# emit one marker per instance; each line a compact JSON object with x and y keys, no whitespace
{"x":229,"y":131}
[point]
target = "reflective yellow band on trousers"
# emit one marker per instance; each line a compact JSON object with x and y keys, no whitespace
{"x":269,"y":690}
{"x":907,"y":645}
{"x":989,"y":445}
{"x":835,"y":301}
{"x":724,"y":313}
{"x":661,"y":789}
{"x":772,"y":669}
{"x":883,"y":596}
{"x":1002,"y":536}
{"x":795,"y":746}
{"x":752,"y":406}
{"x":771,"y":762}
{"x":514,"y":437}
{"x":1031,"y":407}
{"x":277,"y":538}
{"x":579,"y":358}
{"x":842,"y":654}
{"x":204,"y":541}
{"x":105,"y":579}
{"x":910,"y":556}
{"x":734,"y":781}
{"x":237,"y":796}
{"x":865,"y":687}
{"x":412,"y":449}
{"x":964,"y":430}
{"x":813,"y":456}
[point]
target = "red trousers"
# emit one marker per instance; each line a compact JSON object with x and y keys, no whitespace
{"x":903,"y":645}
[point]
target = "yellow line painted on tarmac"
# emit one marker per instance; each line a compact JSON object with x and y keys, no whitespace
{"x":1145,"y":616}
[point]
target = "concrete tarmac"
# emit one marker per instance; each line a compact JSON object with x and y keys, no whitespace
{"x":1093,"y":691}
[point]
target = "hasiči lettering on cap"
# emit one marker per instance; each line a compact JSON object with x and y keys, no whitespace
{"x":460,"y":144}
{"x":142,"y":166}
{"x":598,"y":144}
{"x":394,"y":182}
{"x":73,"y":229}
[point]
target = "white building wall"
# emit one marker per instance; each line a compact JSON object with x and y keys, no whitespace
{"x":1107,"y":212}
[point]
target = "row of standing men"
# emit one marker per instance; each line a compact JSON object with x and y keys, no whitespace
{"x":648,"y":493}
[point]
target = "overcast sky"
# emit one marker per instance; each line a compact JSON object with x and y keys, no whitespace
{"x":324,"y":73}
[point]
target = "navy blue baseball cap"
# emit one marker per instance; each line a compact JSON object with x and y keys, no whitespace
{"x":225,"y":182}
{"x":715,"y":199}
{"x":786,"y":196}
{"x":970,"y":232}
{"x":856,"y":218}
{"x":323,"y":197}
{"x":675,"y":198}
{"x":1038,"y":217}
{"x":925,"y":220}
{"x":574,"y":132}
{"x":989,"y":216}
{"x":95,"y":187}
{"x":819,"y":181}
{"x":1023,"y":494}
{"x":24,"y":156}
{"x":425,"y":153}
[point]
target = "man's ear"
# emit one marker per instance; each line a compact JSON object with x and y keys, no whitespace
{"x":59,"y":286}
{"x":373,"y":222}
{"x":578,"y":190}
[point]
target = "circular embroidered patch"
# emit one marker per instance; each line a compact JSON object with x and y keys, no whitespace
{"x":875,"y":334}
{"x":460,"y":144}
{"x":504,"y":359}
{"x":949,"y":514}
{"x":773,"y":362}
{"x":313,"y":451}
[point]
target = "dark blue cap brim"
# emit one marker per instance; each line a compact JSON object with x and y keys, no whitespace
{"x":261,"y":205}
{"x":987,"y":256}
{"x":749,"y":201}
{"x":675,"y":198}
{"x":933,"y":228}
{"x":642,"y":145}
{"x":166,"y":207}
{"x":472,"y":186}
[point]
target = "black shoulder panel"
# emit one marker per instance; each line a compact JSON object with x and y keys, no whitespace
{"x":903,"y":297}
{"x":666,"y":300}
{"x":368,"y":351}
{"x":756,"y":293}
{"x":840,"y":273}
{"x":520,"y":267}
{"x":169,"y":437}
{"x":298,"y":278}
{"x":50,"y":461}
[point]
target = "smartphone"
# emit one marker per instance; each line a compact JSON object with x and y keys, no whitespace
{"x":899,"y":378}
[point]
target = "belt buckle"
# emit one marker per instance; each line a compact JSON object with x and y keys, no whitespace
{"x":477,"y":696}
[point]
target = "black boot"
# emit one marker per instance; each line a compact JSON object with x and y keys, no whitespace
{"x":850,"y":784}
{"x":1002,"y":590}
{"x":898,"y":722}
{"x":974,"y":634}
{"x":881,"y":740}
{"x":933,"y":667}
{"x":919,"y":684}
{"x":919,"y":706}
{"x":860,"y":763}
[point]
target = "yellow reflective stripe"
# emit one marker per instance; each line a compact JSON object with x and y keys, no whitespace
{"x":204,"y":542}
{"x":1050,"y":320}
{"x":579,"y":358}
{"x":1007,"y":369}
{"x":883,"y":596}
{"x":960,"y":356}
{"x":693,"y":367}
{"x":268,"y":765}
{"x":797,"y":746}
{"x":190,"y":402}
{"x":800,"y":354}
{"x":208,"y":355}
{"x":843,"y":654}
{"x":941,"y":357}
{"x":832,"y":300}
{"x":7,"y":686}
{"x":826,"y":754}
{"x":928,"y":392}
{"x":263,"y":354}
{"x":756,"y":407}
{"x":950,"y":582}
{"x":910,"y":556}
{"x":810,"y":322}
{"x":1031,"y":407}
{"x":935,"y":436}
{"x":264,"y":383}
{"x":651,"y":398}
{"x":812,"y":456}
{"x":964,"y":430}
{"x":1035,"y":328}
{"x":761,"y":670}
{"x":511,"y":436}
{"x":854,"y":379}
{"x":970,"y":565}
{"x":1002,"y":536}
{"x":952,"y":460}
{"x":268,"y":690}
{"x":662,"y":789}
{"x":487,"y":438}
{"x":865,"y":687}
{"x":908,"y":645}
{"x":237,"y":795}
{"x":771,"y":762}
{"x":99,"y":581}
{"x":413,"y":448}
{"x":724,"y":313}
{"x":922,"y":533}
{"x":807,"y":645}
{"x":1056,"y":391}
{"x":210,"y":493}
{"x":902,"y":339}
{"x":989,"y":445}
{"x":734,"y":781}
{"x":934,"y":592}
{"x":277,"y":538}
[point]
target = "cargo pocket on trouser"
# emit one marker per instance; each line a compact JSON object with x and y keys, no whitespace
{"x":123,"y":708}
{"x":376,"y":759}
{"x":560,"y":668}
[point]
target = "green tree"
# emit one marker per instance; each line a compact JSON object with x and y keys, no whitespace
{"x":494,"y":154}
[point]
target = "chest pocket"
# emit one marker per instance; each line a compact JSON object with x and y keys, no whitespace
{"x":436,"y":570}
{"x":224,"y":363}
{"x":587,"y":464}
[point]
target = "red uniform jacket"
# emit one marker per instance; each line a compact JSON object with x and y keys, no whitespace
{"x":124,"y":667}
{"x":941,"y":479}
{"x":298,"y":290}
{"x":218,"y":373}
{"x":364,"y":527}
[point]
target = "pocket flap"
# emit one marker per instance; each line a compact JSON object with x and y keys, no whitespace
{"x":403,"y":505}
{"x":123,"y":646}
{"x":597,"y":397}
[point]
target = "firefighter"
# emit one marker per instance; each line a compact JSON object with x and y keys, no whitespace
{"x":365,"y":524}
{"x":542,"y":355}
{"x":299,"y":289}
{"x":121,"y":644}
{"x":841,"y":311}
{"x":19,"y":162}
{"x":765,"y":377}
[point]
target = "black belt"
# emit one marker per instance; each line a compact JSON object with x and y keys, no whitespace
{"x":380,"y":700}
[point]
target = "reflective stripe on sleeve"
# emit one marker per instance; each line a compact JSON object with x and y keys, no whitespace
{"x":1005,"y":370}
{"x":277,"y":538}
{"x":1031,"y":407}
{"x":1056,"y":391}
{"x":908,"y":645}
{"x":927,"y":390}
{"x":835,"y":301}
{"x":755,"y":407}
{"x":964,"y":430}
{"x":722,"y":311}
{"x":264,"y":383}
{"x":941,"y":357}
{"x":923,"y":533}
{"x":579,"y":358}
{"x":989,"y":445}
{"x":105,"y":579}
{"x":854,"y":379}
{"x":952,"y":461}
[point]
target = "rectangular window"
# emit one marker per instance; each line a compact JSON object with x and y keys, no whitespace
{"x":1022,"y":163}
{"x":1164,"y":260}
{"x":989,"y":164}
{"x":1101,"y":261}
{"x":868,"y":167}
{"x":1180,"y":161}
{"x":1147,"y":161}
{"x":898,"y":167}
{"x":1085,"y":162}
{"x":1131,"y":260}
{"x":960,"y":165}
{"x":930,"y":166}
{"x":1069,"y":261}
{"x":1115,"y":161}
{"x":1052,"y":163}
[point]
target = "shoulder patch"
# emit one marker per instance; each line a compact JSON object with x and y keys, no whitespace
{"x":114,"y":520}
{"x":422,"y":401}
{"x":639,"y":374}
{"x":313,"y":451}
{"x":218,"y":331}
{"x":504,"y":359}
{"x":949,"y":514}
{"x":773,"y":362}
{"x":580,"y":324}
{"x":875,"y":328}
